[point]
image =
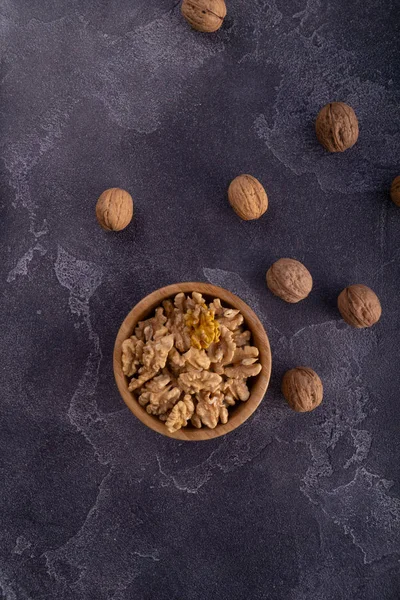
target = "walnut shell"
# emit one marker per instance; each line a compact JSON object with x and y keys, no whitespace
{"x":289,"y":280}
{"x":302,"y":389}
{"x":337,"y":127}
{"x":359,"y":306}
{"x":247,"y":197}
{"x":114,"y":209}
{"x":204,"y":15}
{"x":395,"y":190}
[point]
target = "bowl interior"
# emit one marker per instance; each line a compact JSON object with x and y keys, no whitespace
{"x":257,"y":385}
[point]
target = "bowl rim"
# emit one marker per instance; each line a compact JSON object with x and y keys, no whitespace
{"x":259,"y":385}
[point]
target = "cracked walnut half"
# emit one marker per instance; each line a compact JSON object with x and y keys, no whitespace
{"x":190,"y":362}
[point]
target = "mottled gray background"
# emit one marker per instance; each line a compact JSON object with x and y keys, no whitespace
{"x":96,"y":94}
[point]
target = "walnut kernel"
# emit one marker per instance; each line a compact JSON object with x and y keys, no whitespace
{"x":197,"y":359}
{"x":203,"y":328}
{"x":195,"y":381}
{"x":244,"y":363}
{"x":159,"y":395}
{"x":180,"y":414}
{"x":211,"y":408}
{"x":132,"y":352}
{"x":154,"y":358}
{"x":222,"y":351}
{"x":236,"y":389}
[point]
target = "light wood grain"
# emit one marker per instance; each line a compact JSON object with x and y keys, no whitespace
{"x":259,"y":384}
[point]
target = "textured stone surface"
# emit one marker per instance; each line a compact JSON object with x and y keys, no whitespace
{"x":97,"y":94}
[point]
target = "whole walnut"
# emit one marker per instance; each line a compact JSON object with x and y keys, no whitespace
{"x":114,"y":209}
{"x":204,"y":15}
{"x":395,"y":190}
{"x":337,"y":127}
{"x":289,"y":280}
{"x":359,"y":306}
{"x":302,"y":389}
{"x":247,"y":197}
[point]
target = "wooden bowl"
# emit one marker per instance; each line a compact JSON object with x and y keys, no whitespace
{"x":258,"y":385}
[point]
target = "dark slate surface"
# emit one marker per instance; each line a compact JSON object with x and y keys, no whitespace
{"x":97,"y":94}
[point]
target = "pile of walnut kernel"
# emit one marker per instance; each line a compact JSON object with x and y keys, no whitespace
{"x":190,"y":362}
